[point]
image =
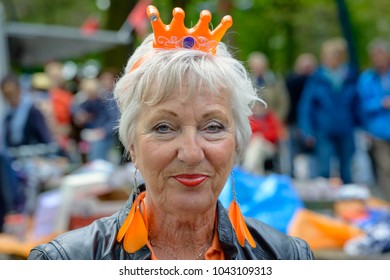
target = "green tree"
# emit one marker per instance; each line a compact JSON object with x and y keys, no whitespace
{"x":279,"y":28}
{"x":116,"y":17}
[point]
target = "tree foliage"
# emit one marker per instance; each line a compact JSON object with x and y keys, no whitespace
{"x":279,"y":28}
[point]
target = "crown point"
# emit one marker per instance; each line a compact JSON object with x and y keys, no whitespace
{"x":178,"y":13}
{"x":152,"y":11}
{"x":205,"y":15}
{"x":227,"y":20}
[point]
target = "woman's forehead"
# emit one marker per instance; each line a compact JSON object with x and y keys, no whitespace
{"x":186,"y":88}
{"x":184,"y":95}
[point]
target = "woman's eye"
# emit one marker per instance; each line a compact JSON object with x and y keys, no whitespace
{"x":214,"y":127}
{"x":162,"y":128}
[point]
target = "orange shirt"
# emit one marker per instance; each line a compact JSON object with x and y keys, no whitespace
{"x":61,"y":102}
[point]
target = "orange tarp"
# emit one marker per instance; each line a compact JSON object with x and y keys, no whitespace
{"x":320,"y":231}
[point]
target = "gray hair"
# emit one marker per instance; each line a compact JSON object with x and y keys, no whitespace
{"x":160,"y":72}
{"x":379,"y":43}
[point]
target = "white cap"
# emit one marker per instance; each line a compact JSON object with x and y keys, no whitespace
{"x":353,"y":191}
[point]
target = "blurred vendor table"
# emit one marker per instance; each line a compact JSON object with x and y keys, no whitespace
{"x":335,"y":254}
{"x":19,"y":245}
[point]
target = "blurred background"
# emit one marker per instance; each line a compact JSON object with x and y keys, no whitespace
{"x":281,"y":29}
{"x":67,"y":55}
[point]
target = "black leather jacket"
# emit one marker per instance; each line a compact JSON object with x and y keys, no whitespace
{"x":98,"y":241}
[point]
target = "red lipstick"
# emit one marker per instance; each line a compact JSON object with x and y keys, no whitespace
{"x":190,"y":180}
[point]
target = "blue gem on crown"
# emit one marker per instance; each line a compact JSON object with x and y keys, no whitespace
{"x":153,"y":18}
{"x":188,"y":42}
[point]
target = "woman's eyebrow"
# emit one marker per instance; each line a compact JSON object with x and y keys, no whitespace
{"x":215,"y":113}
{"x":158,"y":114}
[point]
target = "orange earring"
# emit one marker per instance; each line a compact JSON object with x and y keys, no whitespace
{"x":238,"y":221}
{"x":134,"y":230}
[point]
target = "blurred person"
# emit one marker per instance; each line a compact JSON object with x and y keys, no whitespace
{"x":24,"y":124}
{"x":95,"y":120}
{"x":267,"y":130}
{"x":9,"y":191}
{"x":61,"y":101}
{"x":3,"y":208}
{"x":304,"y":66}
{"x":6,"y":197}
{"x":40,"y":84}
{"x":374,"y":90}
{"x":272,"y":89}
{"x":184,"y":121}
{"x":328,"y":111}
{"x":106,"y":90}
{"x":39,"y":92}
{"x":107,"y":81}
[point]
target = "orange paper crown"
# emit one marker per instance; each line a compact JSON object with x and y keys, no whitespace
{"x":176,"y":35}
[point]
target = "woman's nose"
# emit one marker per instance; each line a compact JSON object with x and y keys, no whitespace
{"x":190,"y":147}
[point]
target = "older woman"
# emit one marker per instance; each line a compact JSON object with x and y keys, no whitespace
{"x":328,"y":111}
{"x":184,"y":105}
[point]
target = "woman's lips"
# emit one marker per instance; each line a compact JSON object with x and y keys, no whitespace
{"x":190,"y":180}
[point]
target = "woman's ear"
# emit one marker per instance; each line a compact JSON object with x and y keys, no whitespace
{"x":132,"y":155}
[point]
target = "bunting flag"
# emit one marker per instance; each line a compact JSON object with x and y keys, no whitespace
{"x":138,"y":19}
{"x":90,"y":26}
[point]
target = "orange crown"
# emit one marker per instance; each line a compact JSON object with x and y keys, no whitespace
{"x":176,"y":35}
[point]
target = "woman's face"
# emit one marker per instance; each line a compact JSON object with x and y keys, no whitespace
{"x":380,"y":59}
{"x":11,"y":93}
{"x":185,"y":149}
{"x":332,"y":58}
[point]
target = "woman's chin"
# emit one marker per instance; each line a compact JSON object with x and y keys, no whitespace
{"x":191,"y":206}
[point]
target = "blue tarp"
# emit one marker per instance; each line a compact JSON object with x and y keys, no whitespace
{"x":271,"y":199}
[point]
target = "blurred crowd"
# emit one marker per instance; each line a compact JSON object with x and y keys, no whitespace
{"x":326,"y":118}
{"x":44,"y":108}
{"x":67,"y":122}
